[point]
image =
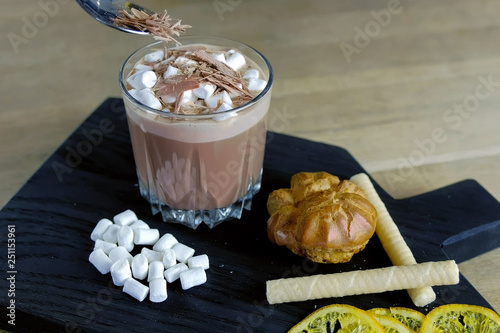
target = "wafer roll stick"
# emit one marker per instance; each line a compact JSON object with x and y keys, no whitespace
{"x":362,"y":282}
{"x":393,"y":242}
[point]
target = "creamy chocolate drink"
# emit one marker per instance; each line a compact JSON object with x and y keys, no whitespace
{"x":198,"y":138}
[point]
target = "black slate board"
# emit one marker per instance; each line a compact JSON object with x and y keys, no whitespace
{"x":58,"y":290}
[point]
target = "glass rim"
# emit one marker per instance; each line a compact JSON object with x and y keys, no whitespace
{"x":198,"y":116}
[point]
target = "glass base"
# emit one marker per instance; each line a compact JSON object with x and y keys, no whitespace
{"x":211,"y":217}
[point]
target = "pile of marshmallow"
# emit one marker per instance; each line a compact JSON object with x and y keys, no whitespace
{"x":167,"y":260}
{"x":145,"y":77}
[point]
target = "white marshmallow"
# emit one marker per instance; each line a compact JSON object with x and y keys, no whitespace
{"x":135,"y":289}
{"x":169,"y":99}
{"x":154,"y":56}
{"x":204,"y":90}
{"x":120,"y":271}
{"x":188,"y":97}
{"x":111,"y":233}
{"x":134,"y":93}
{"x":184,"y":62}
{"x":256,"y":84}
{"x":142,"y":67}
{"x":155,"y":270}
{"x":125,"y":218}
{"x":199,"y":261}
{"x":147,"y":97}
{"x":146,"y":236}
{"x":169,"y":258}
{"x":142,"y":79}
{"x":236,"y":61}
{"x":220,"y":57}
{"x":125,"y":238}
{"x":100,"y":261}
{"x":182,"y":252}
{"x":173,"y":273}
{"x":213,"y":100}
{"x":224,"y":116}
{"x":140,"y":266}
{"x":158,"y":290}
{"x":224,"y":107}
{"x":140,"y":224}
{"x":103,"y":245}
{"x":171,"y":71}
{"x":251,"y":74}
{"x":152,"y":255}
{"x":193,"y":277}
{"x":165,"y":242}
{"x":100,"y":229}
{"x":120,"y":253}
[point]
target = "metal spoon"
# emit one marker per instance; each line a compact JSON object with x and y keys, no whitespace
{"x":105,"y":10}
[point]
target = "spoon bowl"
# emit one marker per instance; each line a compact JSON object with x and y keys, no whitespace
{"x":105,"y":11}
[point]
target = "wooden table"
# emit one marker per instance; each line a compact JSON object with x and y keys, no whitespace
{"x":410,"y":88}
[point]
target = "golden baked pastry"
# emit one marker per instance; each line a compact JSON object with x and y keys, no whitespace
{"x":321,"y":217}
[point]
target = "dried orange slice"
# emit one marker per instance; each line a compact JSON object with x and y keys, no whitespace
{"x":461,"y":318}
{"x":338,"y":317}
{"x":392,"y":325}
{"x":409,"y":317}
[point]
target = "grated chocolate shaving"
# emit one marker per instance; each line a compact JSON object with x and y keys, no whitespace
{"x":158,"y":25}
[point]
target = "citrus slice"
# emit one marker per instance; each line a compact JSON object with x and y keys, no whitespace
{"x":392,"y":325}
{"x":338,"y":318}
{"x":461,"y":318}
{"x":409,"y":317}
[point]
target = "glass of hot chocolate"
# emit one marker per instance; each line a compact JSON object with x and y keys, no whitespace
{"x":197,"y":120}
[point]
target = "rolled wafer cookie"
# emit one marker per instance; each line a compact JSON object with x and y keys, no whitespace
{"x":393,"y":242}
{"x":359,"y":282}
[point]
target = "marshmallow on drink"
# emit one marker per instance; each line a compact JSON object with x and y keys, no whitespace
{"x":100,"y":229}
{"x":204,"y":90}
{"x":182,"y":252}
{"x":135,"y":289}
{"x":251,"y":74}
{"x":157,"y":290}
{"x":171,"y":71}
{"x":154,"y":56}
{"x":125,"y":238}
{"x":140,"y":266}
{"x":103,"y":245}
{"x":165,"y":242}
{"x":125,"y":218}
{"x":120,"y":253}
{"x":256,"y":84}
{"x":100,"y":261}
{"x":155,"y":270}
{"x":236,"y":61}
{"x":120,"y":271}
{"x":212,"y":101}
{"x":142,"y":79}
{"x":173,"y":273}
{"x":147,"y":97}
{"x":193,"y":277}
{"x":146,"y":236}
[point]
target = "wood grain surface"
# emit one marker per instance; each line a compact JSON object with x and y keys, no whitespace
{"x":410,"y":88}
